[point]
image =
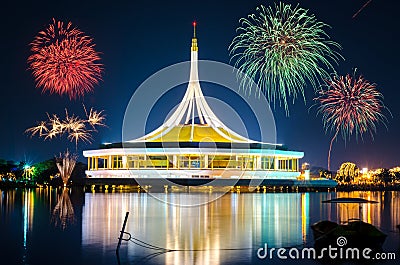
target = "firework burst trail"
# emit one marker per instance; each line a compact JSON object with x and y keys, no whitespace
{"x":64,"y":61}
{"x":72,"y":125}
{"x":365,"y":5}
{"x":94,"y":118}
{"x":41,"y":129}
{"x":350,"y":105}
{"x":282,"y":49}
{"x":65,"y":164}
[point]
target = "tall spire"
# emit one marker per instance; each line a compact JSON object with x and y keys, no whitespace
{"x":194,"y":39}
{"x":193,"y":106}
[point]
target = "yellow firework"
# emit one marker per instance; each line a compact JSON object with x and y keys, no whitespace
{"x":72,"y":126}
{"x":41,"y":129}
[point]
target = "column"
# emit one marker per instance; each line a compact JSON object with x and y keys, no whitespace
{"x":258,"y":159}
{"x":124,"y":162}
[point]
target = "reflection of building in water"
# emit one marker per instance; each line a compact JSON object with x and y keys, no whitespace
{"x":102,"y":216}
{"x":394,"y":206}
{"x":305,"y":211}
{"x":240,"y":221}
{"x":384,"y":214}
{"x":371,"y":212}
{"x":7,"y":201}
{"x":280,"y":220}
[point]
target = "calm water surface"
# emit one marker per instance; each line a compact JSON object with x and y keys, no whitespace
{"x":50,"y":226}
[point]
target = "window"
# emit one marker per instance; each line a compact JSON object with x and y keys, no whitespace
{"x":294,"y":165}
{"x":117,"y":162}
{"x":282,"y":164}
{"x":158,"y":161}
{"x":183,"y":161}
{"x":102,"y":162}
{"x":196,"y":162}
{"x":191,"y":161}
{"x":133,"y":161}
{"x":246,"y":162}
{"x":267,"y":162}
{"x":220,"y":162}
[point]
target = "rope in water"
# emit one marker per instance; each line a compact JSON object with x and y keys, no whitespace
{"x":144,"y":244}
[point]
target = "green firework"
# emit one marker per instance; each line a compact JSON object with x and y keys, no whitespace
{"x":282,"y":49}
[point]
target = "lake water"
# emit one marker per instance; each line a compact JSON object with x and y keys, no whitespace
{"x":55,"y":226}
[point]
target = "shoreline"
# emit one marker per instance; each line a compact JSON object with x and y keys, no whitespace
{"x":183,"y":188}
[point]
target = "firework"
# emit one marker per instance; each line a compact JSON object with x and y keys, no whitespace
{"x":282,"y":50}
{"x":364,"y":6}
{"x":95,"y":118}
{"x":350,"y":105}
{"x":74,"y":127}
{"x":64,"y":60}
{"x":82,"y":135}
{"x":40,"y":129}
{"x":73,"y":123}
{"x":65,"y":164}
{"x":51,"y":134}
{"x":57,"y":126}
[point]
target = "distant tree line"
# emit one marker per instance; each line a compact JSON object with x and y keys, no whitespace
{"x":44,"y":172}
{"x":349,"y":173}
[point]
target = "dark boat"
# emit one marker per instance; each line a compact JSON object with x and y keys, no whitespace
{"x":356,"y":232}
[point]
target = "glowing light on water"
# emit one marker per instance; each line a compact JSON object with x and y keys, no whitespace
{"x":63,"y":213}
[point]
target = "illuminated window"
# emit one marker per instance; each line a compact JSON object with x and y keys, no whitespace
{"x":191,"y":161}
{"x":158,"y":161}
{"x":102,"y":162}
{"x":267,"y":162}
{"x":220,"y":162}
{"x":183,"y":161}
{"x":283,"y":164}
{"x":294,"y":165}
{"x":133,"y":161}
{"x":117,"y":161}
{"x":144,"y":162}
{"x":246,"y":162}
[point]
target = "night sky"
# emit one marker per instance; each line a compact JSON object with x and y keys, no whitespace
{"x":138,"y":38}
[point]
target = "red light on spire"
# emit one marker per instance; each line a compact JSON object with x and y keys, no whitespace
{"x":194,"y":29}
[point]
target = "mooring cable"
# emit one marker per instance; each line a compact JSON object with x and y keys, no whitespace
{"x":144,"y":244}
{"x":147,"y":245}
{"x":154,"y":247}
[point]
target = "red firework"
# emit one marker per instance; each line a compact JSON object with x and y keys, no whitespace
{"x":64,"y":61}
{"x":350,"y":105}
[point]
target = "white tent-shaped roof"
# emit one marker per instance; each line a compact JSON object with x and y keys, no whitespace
{"x":181,"y":126}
